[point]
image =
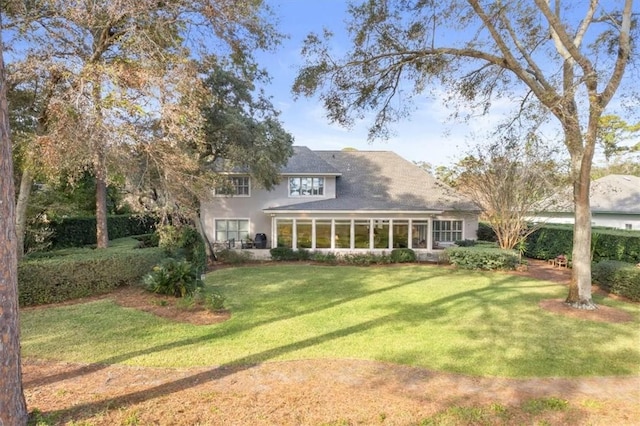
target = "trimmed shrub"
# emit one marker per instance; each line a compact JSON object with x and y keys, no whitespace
{"x":322,"y":257}
{"x":286,"y":254}
{"x":173,"y":277}
{"x":486,"y":232}
{"x":403,"y":255}
{"x":606,"y":244}
{"x":365,"y":259}
{"x":549,"y":242}
{"x":234,"y":257}
{"x":618,"y":278}
{"x":482,"y":258}
{"x":83,"y":272}
{"x":81,"y":231}
{"x":466,"y":243}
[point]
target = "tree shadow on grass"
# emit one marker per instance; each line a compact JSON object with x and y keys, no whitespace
{"x":488,"y":297}
{"x":239,"y":328}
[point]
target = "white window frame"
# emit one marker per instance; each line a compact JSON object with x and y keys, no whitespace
{"x":241,"y":185}
{"x":314,"y":186}
{"x":436,"y":234}
{"x":232,"y":219}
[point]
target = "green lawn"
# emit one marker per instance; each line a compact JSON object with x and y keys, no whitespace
{"x":478,"y":323}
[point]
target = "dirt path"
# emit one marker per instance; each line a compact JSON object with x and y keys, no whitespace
{"x":323,"y":392}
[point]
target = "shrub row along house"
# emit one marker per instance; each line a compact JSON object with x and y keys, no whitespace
{"x":342,"y":201}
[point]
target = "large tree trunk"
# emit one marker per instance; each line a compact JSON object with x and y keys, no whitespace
{"x":580,"y":288}
{"x":102,"y":234}
{"x":26,"y":182}
{"x":13,"y":409}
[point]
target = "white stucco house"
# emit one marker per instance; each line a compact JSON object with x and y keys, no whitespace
{"x":615,"y":203}
{"x":343,"y":201}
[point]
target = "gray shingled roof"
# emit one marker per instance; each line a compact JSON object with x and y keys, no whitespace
{"x":382,"y":180}
{"x":609,"y":194}
{"x":616,"y":193}
{"x":308,"y":162}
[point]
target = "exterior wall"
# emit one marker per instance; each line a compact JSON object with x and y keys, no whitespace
{"x":250,"y":208}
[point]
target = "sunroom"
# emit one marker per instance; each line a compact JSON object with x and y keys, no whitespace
{"x":370,"y":231}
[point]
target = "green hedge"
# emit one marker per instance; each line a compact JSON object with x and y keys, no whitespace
{"x":618,"y":278}
{"x":482,"y":258}
{"x":403,"y":255}
{"x":84,"y":272}
{"x":81,"y":231}
{"x":607,"y":244}
{"x":486,"y":232}
{"x":287,"y":254}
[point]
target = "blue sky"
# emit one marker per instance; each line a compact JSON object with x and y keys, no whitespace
{"x":428,"y":135}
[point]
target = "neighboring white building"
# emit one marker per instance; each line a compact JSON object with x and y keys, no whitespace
{"x":343,"y":201}
{"x":615,"y":203}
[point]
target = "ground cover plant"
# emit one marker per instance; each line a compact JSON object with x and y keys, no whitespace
{"x":476,"y":323}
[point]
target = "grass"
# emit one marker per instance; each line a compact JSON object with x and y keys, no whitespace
{"x":477,"y":323}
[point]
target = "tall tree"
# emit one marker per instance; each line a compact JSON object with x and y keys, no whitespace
{"x":568,"y":58}
{"x":510,"y":180}
{"x":241,"y":133}
{"x":13,"y":408}
{"x":128,"y":71}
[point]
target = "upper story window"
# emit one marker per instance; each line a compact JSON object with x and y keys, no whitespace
{"x":306,"y":186}
{"x":236,"y":185}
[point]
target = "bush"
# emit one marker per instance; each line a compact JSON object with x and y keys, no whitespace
{"x":183,"y":242}
{"x":322,"y":257}
{"x":403,"y":255}
{"x":234,"y":257}
{"x":173,"y":277}
{"x":81,"y":231}
{"x":618,"y":278}
{"x":466,"y":243}
{"x":287,"y":254}
{"x":147,"y":240}
{"x":482,"y":258}
{"x":606,"y":244}
{"x":486,"y":232}
{"x":365,"y":259}
{"x":74,"y":273}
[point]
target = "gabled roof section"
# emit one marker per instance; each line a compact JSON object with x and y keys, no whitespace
{"x":383,"y":181}
{"x":609,"y":194}
{"x":616,"y":193}
{"x":307,"y":162}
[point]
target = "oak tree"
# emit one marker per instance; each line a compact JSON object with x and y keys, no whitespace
{"x":129,"y":72}
{"x":568,"y":58}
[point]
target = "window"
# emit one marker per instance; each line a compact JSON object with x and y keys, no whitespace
{"x":237,"y":185}
{"x":231,"y":229}
{"x":400,"y":234}
{"x":381,"y":234}
{"x":306,"y":186}
{"x":323,"y":233}
{"x":361,"y":231}
{"x":628,"y":226}
{"x":343,"y":234}
{"x":285,"y":233}
{"x":304,"y":233}
{"x":447,"y":230}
